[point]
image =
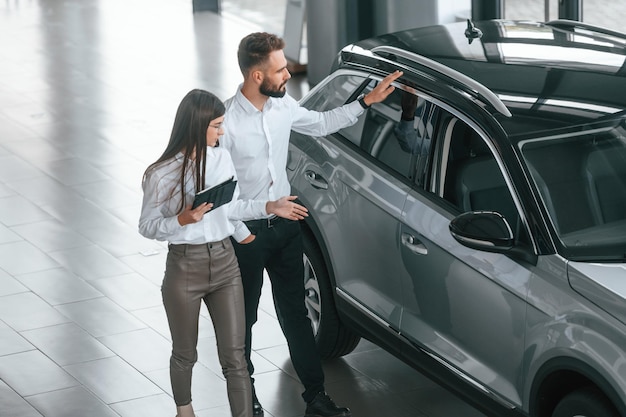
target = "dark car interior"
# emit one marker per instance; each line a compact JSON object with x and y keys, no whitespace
{"x":582,"y":182}
{"x":473,"y":180}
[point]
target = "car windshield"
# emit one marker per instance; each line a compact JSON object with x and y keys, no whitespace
{"x":581,"y":177}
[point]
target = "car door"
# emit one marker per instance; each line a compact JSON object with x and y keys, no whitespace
{"x":466,"y":307}
{"x":360,"y":186}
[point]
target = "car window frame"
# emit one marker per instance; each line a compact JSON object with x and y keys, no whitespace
{"x":442,"y":148}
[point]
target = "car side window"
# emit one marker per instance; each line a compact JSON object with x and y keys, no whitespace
{"x":336,"y":92}
{"x":414,"y":132}
{"x":472,"y":179}
{"x":396,"y":132}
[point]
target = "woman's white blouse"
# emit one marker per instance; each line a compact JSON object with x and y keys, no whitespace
{"x":161,"y":200}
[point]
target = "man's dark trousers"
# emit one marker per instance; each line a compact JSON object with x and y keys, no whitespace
{"x":277,"y":248}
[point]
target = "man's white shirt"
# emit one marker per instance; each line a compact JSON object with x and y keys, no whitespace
{"x":259,"y":140}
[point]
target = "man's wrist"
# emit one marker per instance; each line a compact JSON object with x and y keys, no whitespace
{"x":362,"y":102}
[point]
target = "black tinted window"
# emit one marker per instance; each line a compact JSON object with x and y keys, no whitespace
{"x":396,"y":132}
{"x":335,"y":93}
{"x":473,"y":180}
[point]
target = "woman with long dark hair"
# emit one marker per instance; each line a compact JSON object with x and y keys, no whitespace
{"x":201,"y":265}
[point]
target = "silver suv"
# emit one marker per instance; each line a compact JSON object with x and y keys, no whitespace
{"x":474,"y":224}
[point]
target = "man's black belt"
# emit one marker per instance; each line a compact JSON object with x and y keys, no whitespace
{"x":264,"y":223}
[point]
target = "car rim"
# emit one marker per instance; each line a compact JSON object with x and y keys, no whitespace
{"x":312,"y":295}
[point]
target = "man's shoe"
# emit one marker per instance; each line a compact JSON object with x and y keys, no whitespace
{"x":257,"y":410}
{"x":323,"y":406}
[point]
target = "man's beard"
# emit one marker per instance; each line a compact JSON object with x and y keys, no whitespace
{"x":267,"y":90}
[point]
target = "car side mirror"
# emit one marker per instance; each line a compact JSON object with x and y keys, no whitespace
{"x":483,"y":230}
{"x":490,"y":232}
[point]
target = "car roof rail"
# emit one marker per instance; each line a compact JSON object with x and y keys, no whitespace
{"x":470,"y":83}
{"x":573,"y":24}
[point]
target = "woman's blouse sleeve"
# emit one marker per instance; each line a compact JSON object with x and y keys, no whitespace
{"x":153,"y":224}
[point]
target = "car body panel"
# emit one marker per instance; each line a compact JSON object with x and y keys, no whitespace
{"x":459,"y":298}
{"x":367,"y":206}
{"x":562,"y":327}
{"x":602,"y":284}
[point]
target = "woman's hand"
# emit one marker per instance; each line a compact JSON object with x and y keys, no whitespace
{"x":286,"y":208}
{"x":189,"y":216}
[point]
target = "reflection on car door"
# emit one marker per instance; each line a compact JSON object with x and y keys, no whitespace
{"x":361,"y":207}
{"x":368,"y":219}
{"x":370,"y":212}
{"x":464,"y":306}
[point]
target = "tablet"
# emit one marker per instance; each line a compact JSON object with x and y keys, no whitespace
{"x":219,"y":194}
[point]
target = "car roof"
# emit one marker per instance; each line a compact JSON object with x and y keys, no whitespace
{"x":548,"y":75}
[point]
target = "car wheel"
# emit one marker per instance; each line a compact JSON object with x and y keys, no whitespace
{"x":332,"y":337}
{"x":585,"y":402}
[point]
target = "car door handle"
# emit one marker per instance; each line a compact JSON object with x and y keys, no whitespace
{"x":316,"y":180}
{"x":414,"y":244}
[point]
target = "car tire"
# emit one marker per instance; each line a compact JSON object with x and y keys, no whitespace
{"x":585,"y":402}
{"x":332,"y":337}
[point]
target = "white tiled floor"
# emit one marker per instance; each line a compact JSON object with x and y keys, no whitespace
{"x":88,"y":91}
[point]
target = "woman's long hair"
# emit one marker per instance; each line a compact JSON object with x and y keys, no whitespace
{"x":196,"y":110}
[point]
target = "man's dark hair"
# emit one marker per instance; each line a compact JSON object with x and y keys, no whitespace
{"x":255,"y":49}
